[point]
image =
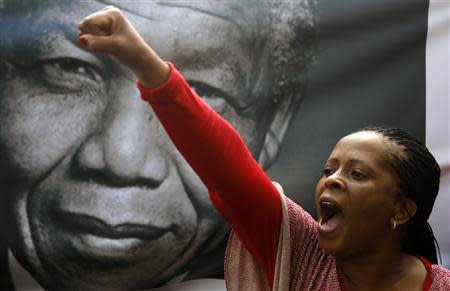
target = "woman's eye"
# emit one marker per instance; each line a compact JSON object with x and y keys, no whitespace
{"x":67,"y":73}
{"x":357,"y":175}
{"x":327,"y":172}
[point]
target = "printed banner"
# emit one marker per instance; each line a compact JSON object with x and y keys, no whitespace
{"x":94,"y":196}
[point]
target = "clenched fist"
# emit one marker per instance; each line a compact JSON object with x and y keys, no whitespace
{"x":108,"y":31}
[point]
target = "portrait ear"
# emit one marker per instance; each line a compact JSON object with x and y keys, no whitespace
{"x":404,"y":209}
{"x":275,"y":134}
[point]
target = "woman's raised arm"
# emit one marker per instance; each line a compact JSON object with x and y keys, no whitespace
{"x":238,"y":187}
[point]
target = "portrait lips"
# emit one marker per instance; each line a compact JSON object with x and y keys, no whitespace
{"x":95,"y":236}
{"x":102,"y":224}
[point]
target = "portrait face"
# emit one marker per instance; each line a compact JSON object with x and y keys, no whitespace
{"x":357,"y":193}
{"x":94,"y":193}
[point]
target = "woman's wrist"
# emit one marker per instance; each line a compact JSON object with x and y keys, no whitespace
{"x":151,"y":70}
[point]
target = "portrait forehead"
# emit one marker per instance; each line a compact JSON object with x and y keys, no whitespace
{"x":198,"y":26}
{"x":233,"y":44}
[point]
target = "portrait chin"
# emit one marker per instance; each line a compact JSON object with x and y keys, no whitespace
{"x":62,"y":227}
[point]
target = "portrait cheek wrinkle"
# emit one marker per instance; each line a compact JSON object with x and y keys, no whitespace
{"x":39,"y":127}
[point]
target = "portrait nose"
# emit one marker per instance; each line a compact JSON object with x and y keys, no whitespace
{"x":126,"y":148}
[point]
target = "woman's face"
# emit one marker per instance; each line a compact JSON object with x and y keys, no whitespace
{"x":355,"y":197}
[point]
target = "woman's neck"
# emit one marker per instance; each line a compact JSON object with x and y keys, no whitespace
{"x":381,"y":271}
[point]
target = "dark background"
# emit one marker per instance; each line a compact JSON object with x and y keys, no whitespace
{"x":369,"y":70}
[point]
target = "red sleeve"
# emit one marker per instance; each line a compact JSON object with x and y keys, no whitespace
{"x":238,"y":187}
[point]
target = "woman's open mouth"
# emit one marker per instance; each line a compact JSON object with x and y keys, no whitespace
{"x":331,"y":216}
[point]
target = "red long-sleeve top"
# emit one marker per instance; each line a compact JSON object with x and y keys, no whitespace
{"x":219,"y":156}
{"x":244,"y":194}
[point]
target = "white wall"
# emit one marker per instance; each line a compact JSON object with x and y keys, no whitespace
{"x":437,"y":116}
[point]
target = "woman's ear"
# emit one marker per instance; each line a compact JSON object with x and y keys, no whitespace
{"x":404,"y":210}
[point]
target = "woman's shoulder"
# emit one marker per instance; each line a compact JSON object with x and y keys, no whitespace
{"x":440,"y":278}
{"x":299,"y":216}
{"x":307,"y":260}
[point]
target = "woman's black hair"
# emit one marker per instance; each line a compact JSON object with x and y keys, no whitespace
{"x":418,"y":180}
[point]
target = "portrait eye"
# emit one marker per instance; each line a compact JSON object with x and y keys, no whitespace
{"x":214,"y":97}
{"x":68,"y":73}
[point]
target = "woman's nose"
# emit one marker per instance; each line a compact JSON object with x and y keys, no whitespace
{"x":334,"y":181}
{"x":128,"y":146}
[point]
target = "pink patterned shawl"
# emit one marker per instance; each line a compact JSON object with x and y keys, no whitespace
{"x":300,"y":264}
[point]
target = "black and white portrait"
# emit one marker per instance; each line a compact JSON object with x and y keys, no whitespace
{"x":94,"y":196}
